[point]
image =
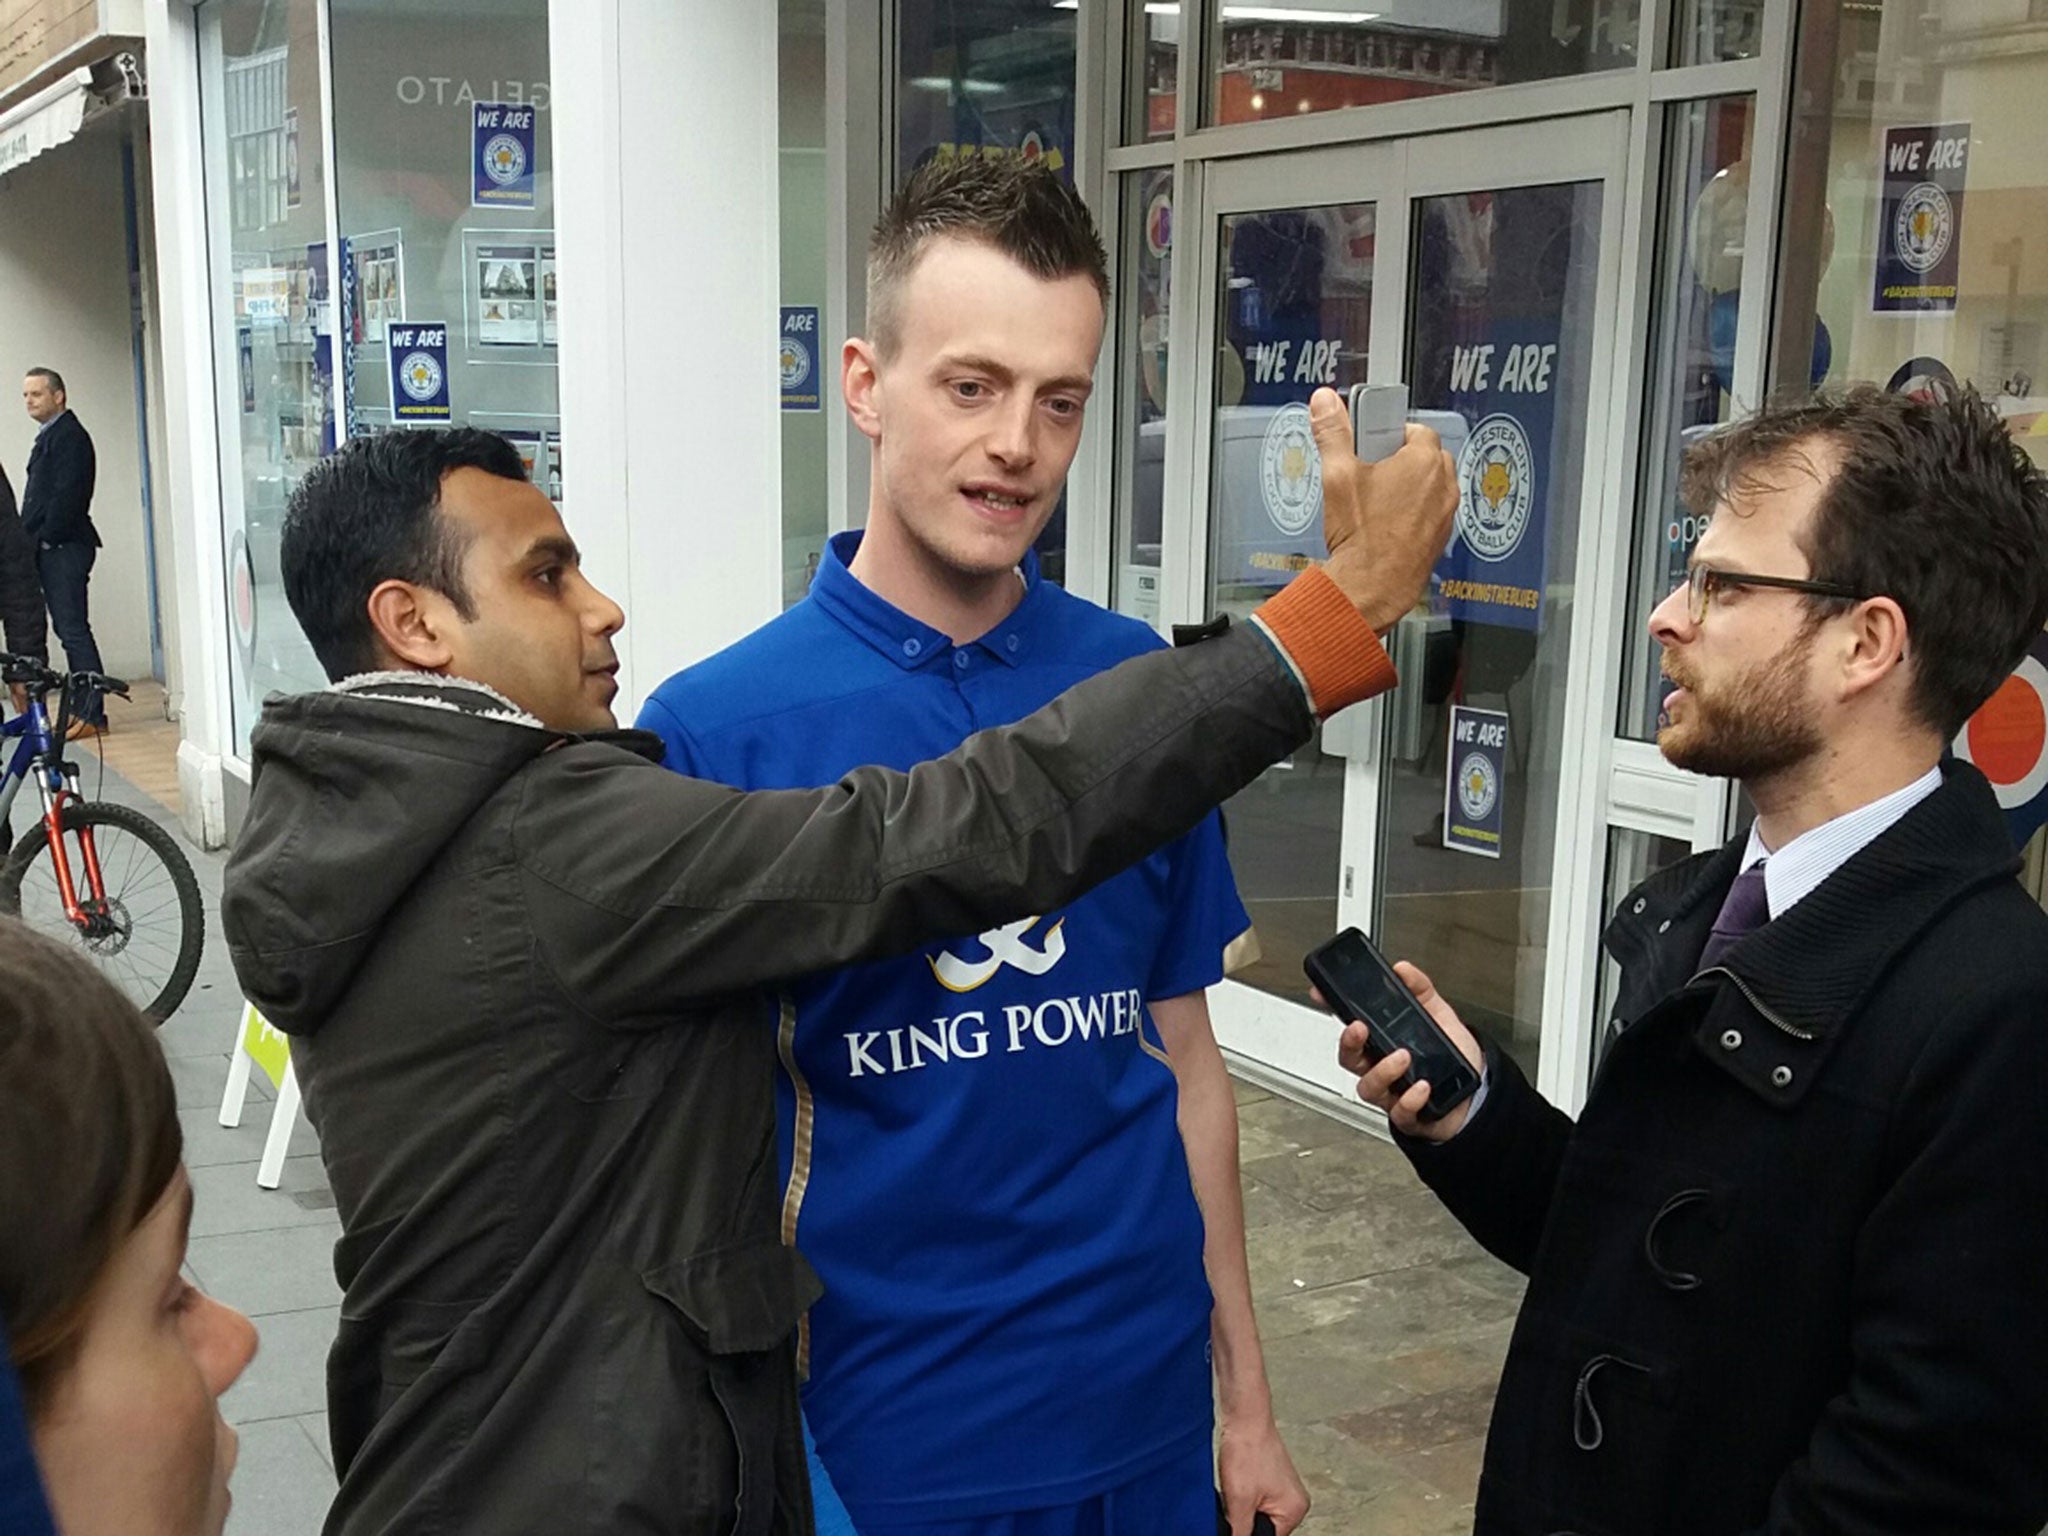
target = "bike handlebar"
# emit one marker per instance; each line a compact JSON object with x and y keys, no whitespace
{"x":44,"y":678}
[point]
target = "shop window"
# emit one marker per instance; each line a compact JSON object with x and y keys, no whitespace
{"x":1303,"y":56}
{"x":1926,"y":163}
{"x":810,"y":335}
{"x":989,"y":77}
{"x":1698,"y":297}
{"x":1632,"y":857}
{"x":444,"y":186}
{"x":447,"y":218}
{"x":1146,"y":314}
{"x":266,"y":182}
{"x":1153,"y":72}
{"x":1711,"y":31}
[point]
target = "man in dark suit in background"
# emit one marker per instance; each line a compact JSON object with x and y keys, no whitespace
{"x":56,"y":510}
{"x":21,"y":592}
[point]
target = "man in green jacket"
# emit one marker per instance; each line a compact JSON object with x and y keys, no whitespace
{"x":525,"y":970}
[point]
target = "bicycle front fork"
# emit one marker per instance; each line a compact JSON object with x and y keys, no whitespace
{"x":75,"y":911}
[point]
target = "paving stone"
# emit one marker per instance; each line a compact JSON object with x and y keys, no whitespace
{"x":1323,"y":1248}
{"x":288,"y":1376}
{"x":1276,"y":1125}
{"x":1333,"y":1176}
{"x":1451,"y":1468}
{"x":315,"y":1426}
{"x":1405,"y":1309}
{"x":1398,"y":1430}
{"x":281,"y":1486}
{"x":208,"y":1143}
{"x":227,"y":1198}
{"x":200,"y":1080}
{"x":261,"y":1272}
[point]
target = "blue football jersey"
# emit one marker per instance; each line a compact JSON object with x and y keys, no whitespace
{"x":978,"y":1141}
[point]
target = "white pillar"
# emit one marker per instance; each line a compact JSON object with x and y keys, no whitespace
{"x":665,"y":135}
{"x":188,"y":502}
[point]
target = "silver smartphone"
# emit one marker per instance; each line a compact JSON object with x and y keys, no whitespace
{"x":1379,"y":419}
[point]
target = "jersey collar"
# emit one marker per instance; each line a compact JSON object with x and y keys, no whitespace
{"x":910,"y":642}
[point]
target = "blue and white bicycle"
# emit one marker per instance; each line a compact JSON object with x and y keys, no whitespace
{"x":101,"y":876}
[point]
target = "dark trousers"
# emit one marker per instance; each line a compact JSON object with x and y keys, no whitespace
{"x":66,"y":570}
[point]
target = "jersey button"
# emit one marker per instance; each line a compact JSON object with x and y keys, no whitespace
{"x":912,"y":646}
{"x":1011,"y":644}
{"x":960,"y":660}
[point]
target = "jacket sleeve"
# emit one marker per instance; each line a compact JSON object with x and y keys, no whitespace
{"x":649,"y":891}
{"x":1497,"y":1174}
{"x":1943,"y":1425}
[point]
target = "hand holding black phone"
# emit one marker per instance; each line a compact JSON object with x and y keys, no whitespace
{"x":1359,"y":986}
{"x":1262,"y":1523}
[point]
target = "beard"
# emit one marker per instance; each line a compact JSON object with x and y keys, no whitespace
{"x":1750,"y":727}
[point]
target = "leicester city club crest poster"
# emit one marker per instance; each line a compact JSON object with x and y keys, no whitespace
{"x":501,"y":155}
{"x":1920,"y":218}
{"x":419,"y":371}
{"x":1502,"y":384}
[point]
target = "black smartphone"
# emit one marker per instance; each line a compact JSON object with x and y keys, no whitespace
{"x":1359,"y":985}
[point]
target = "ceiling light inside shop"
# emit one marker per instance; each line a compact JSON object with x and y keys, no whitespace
{"x":965,"y":87}
{"x":1296,"y":13}
{"x":1152,"y":7}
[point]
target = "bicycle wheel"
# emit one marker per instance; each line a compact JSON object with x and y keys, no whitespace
{"x":147,"y":939}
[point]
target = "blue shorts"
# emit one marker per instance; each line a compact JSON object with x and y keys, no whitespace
{"x":1177,"y":1499}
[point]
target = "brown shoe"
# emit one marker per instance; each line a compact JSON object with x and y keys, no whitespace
{"x":82,"y":729}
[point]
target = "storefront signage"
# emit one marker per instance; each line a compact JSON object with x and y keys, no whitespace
{"x":447,"y":91}
{"x":1475,"y":771}
{"x":796,"y":358}
{"x":1290,"y":471}
{"x":550,"y":330}
{"x":507,"y":296}
{"x":2007,"y":739}
{"x":419,"y":370}
{"x":528,"y":445}
{"x":266,"y":295}
{"x":1920,"y":218}
{"x":34,"y":33}
{"x":502,"y":155}
{"x":374,"y":265}
{"x":1494,"y":569}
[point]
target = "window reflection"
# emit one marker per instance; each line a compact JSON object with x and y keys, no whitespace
{"x":1698,"y":302}
{"x":1303,"y":56}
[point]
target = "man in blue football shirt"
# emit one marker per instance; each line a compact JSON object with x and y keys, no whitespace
{"x":1026,"y":1268}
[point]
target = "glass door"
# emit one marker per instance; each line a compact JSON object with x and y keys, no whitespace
{"x":1451,"y":820}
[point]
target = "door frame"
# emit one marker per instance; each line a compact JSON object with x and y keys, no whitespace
{"x":1270,"y":1039}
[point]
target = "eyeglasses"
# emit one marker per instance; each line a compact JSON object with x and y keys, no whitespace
{"x":1703,"y":581}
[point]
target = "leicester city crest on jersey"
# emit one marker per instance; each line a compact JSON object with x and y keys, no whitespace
{"x":419,"y":375}
{"x":1290,"y":471}
{"x":1496,"y":487}
{"x":1923,"y":227}
{"x":504,"y":159}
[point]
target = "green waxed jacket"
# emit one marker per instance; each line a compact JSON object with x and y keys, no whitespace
{"x":527,"y":977}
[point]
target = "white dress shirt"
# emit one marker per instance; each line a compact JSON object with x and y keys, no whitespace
{"x":1796,"y":870}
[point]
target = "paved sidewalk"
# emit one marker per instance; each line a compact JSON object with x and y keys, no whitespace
{"x":1384,"y":1324}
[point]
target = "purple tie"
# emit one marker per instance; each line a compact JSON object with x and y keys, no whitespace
{"x":1746,"y":909}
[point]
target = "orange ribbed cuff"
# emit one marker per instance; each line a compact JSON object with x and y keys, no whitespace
{"x":1335,"y":653}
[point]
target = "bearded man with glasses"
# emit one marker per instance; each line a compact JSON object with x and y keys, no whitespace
{"x":1784,"y":1271}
